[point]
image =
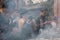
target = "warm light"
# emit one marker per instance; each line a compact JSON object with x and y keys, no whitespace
{"x":21,"y":22}
{"x":1,"y":10}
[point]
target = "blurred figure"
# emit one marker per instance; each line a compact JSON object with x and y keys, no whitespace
{"x":42,"y":20}
{"x":27,"y":29}
{"x":34,"y":28}
{"x":2,"y":5}
{"x":34,"y":24}
{"x":21,"y":21}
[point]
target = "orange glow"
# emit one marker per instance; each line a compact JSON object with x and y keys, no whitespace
{"x":55,"y":7}
{"x":21,"y":22}
{"x":1,"y":10}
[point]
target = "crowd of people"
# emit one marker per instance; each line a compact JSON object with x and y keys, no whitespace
{"x":33,"y":26}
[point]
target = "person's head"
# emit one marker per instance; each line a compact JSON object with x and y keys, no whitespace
{"x":44,"y":12}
